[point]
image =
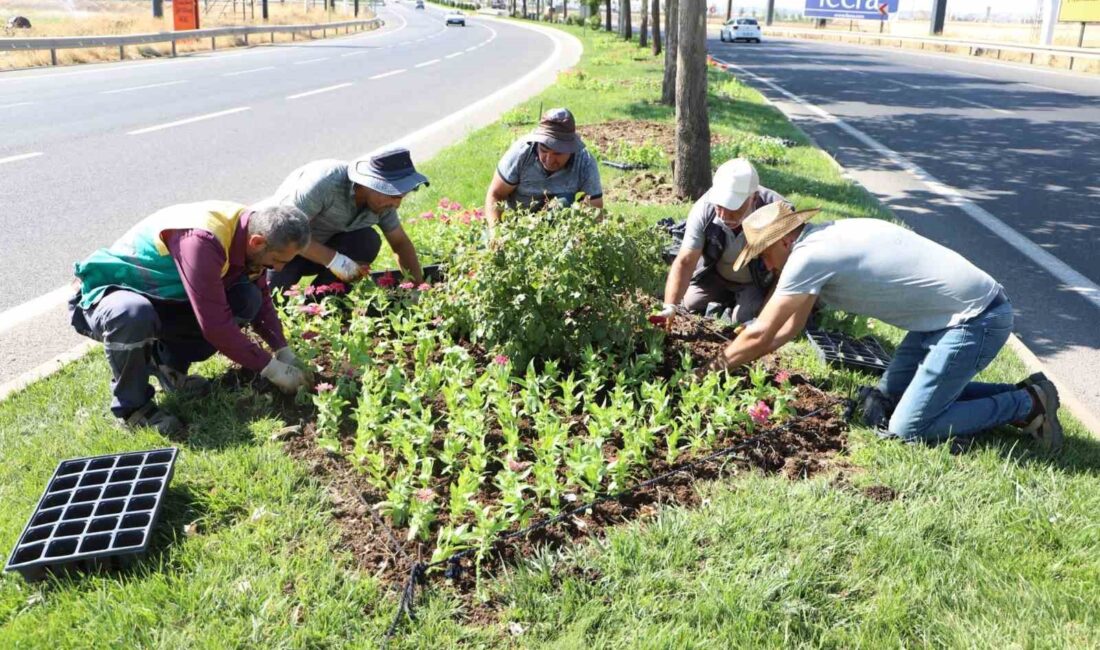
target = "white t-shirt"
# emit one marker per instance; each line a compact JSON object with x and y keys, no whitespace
{"x":878,"y":269}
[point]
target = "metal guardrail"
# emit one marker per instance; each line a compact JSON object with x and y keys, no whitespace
{"x":974,"y":48}
{"x":71,"y":42}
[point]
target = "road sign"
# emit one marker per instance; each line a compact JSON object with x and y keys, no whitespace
{"x":850,"y":9}
{"x":1079,"y":11}
{"x":185,"y":14}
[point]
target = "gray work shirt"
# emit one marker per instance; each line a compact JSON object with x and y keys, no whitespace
{"x":878,"y":269}
{"x":520,"y":166}
{"x":322,"y":190}
{"x":704,"y":213}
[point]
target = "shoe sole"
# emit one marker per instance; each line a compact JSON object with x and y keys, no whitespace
{"x":1050,"y":433}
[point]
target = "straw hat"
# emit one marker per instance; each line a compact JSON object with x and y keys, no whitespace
{"x":768,"y":225}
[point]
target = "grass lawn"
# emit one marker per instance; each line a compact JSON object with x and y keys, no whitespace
{"x":998,"y":547}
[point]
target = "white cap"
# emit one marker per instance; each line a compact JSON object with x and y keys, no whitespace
{"x":735,"y":181}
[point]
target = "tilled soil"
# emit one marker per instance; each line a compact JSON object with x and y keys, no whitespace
{"x":635,"y":132}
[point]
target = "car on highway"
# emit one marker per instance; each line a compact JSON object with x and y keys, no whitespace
{"x":740,"y":29}
{"x":456,"y":17}
{"x":419,"y":4}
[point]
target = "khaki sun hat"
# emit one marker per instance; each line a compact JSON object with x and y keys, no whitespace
{"x":768,"y":225}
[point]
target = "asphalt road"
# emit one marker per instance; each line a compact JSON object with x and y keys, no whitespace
{"x":973,"y":155}
{"x":89,"y":150}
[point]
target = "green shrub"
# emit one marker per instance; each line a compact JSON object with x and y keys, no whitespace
{"x":757,"y":148}
{"x":647,"y":154}
{"x":552,"y":283}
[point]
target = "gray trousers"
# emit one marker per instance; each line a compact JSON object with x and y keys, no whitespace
{"x":712,"y":295}
{"x":138,"y":333}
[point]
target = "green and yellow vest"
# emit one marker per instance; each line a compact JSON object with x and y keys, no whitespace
{"x":139,"y":261}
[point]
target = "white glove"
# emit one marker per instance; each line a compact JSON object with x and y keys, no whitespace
{"x":286,"y":355}
{"x":345,"y":268}
{"x":286,"y":377}
{"x":668,"y":311}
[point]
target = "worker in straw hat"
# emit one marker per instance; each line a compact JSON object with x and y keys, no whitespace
{"x":956,"y":315}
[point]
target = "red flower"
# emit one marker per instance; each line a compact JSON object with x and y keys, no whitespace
{"x":760,"y":413}
{"x":321,"y":289}
{"x":364,"y":269}
{"x":387,"y":280}
{"x":659,"y":321}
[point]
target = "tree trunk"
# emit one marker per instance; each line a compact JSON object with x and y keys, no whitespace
{"x":524,"y":9}
{"x":607,"y":7}
{"x":729,"y":9}
{"x":668,"y":86}
{"x":628,"y":27}
{"x":691,"y":174}
{"x":643,"y":33}
{"x":656,"y":27}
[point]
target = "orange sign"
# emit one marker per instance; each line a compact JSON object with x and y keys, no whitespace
{"x":185,"y":14}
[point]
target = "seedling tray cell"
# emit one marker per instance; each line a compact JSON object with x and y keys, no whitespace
{"x":864,"y":354}
{"x":95,"y":513}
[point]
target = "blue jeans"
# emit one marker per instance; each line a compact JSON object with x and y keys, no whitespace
{"x":930,"y":377}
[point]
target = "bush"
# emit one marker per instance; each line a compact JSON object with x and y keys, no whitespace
{"x":761,"y":149}
{"x":552,"y":283}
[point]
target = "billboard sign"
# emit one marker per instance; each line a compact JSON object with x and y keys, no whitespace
{"x":850,"y":9}
{"x":1079,"y":11}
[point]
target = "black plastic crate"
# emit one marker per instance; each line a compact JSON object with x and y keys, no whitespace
{"x":95,"y":513}
{"x":432,"y":273}
{"x":864,"y":354}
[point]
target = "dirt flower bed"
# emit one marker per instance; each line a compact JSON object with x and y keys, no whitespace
{"x":605,"y":135}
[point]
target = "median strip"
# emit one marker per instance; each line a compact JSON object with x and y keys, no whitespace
{"x":190,"y":120}
{"x":320,"y":90}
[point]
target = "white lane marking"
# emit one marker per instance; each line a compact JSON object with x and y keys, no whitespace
{"x":22,"y":156}
{"x":1074,"y":281}
{"x":16,"y":104}
{"x":471,"y":49}
{"x":320,"y":90}
{"x":1084,"y":134}
{"x":902,"y":83}
{"x":131,"y":88}
{"x":451,"y":56}
{"x":981,"y":105}
{"x":388,"y":74}
{"x":189,"y":120}
{"x":426,"y":63}
{"x":323,"y":58}
{"x":403,"y":43}
{"x":34,"y":308}
{"x":249,"y":71}
{"x":344,"y":56}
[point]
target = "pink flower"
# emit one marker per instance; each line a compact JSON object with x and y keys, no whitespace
{"x":325,"y":387}
{"x":444,"y":218}
{"x":424,"y":286}
{"x":517,"y":466}
{"x":437,"y":321}
{"x":782,"y":376}
{"x":444,"y":202}
{"x":407,"y":285}
{"x":425,"y":495}
{"x":387,"y":280}
{"x":760,"y":413}
{"x":321,"y":289}
{"x":427,"y":216}
{"x":292,"y":292}
{"x":309,"y":335}
{"x":310,"y":290}
{"x":465,"y":218}
{"x":313,"y":309}
{"x":454,"y":205}
{"x":479,"y":214}
{"x":500,"y":360}
{"x":338,"y":287}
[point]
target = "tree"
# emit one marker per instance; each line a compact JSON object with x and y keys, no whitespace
{"x":624,"y":18}
{"x":668,"y":86}
{"x":643,"y":33}
{"x":607,"y":8}
{"x":691,"y":174}
{"x":656,"y":27}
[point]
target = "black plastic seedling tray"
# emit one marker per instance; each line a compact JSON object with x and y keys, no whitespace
{"x":432,"y":273}
{"x":95,"y":513}
{"x":858,"y":354}
{"x":624,"y":166}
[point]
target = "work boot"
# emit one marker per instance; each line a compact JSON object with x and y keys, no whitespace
{"x":174,"y":381}
{"x":875,"y":407}
{"x":1044,"y":425}
{"x":151,"y":416}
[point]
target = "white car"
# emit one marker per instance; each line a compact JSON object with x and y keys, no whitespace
{"x":456,"y":17}
{"x":740,"y":29}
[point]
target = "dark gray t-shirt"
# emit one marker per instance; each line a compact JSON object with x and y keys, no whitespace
{"x":520,"y":166}
{"x":695,"y":233}
{"x":878,"y":269}
{"x":322,"y":190}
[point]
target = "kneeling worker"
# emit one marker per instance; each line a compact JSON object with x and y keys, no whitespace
{"x":702,"y":274}
{"x":176,"y":288}
{"x":344,"y":202}
{"x":956,"y":315}
{"x":549,"y":163}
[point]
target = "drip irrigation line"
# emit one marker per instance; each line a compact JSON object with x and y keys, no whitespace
{"x":419,"y":570}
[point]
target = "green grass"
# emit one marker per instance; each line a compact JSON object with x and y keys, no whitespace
{"x":999,"y":547}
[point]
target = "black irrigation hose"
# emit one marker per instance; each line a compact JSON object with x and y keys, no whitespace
{"x":419,"y":570}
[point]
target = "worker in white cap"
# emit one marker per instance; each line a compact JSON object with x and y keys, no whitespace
{"x":702,"y":276}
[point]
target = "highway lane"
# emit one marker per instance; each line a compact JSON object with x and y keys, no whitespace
{"x":119,"y":141}
{"x":951,"y":144}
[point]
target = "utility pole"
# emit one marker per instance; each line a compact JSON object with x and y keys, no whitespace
{"x":1050,"y":21}
{"x":158,"y":8}
{"x":939,"y":15}
{"x":263,"y":10}
{"x":729,"y":9}
{"x":771,"y":12}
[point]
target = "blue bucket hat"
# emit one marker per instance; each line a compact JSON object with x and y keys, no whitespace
{"x":390,"y":172}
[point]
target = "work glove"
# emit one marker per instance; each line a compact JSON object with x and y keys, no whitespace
{"x":286,"y":377}
{"x":664,"y":317}
{"x":286,"y":355}
{"x":345,"y":268}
